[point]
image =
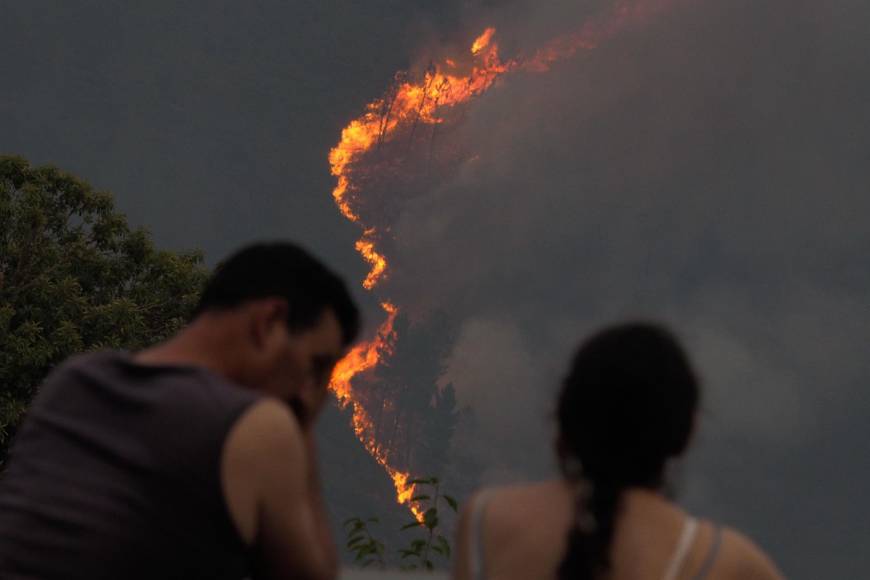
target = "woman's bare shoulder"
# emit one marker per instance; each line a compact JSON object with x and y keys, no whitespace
{"x":530,"y":490}
{"x":492,"y":505}
{"x":743,"y":558}
{"x":523,"y":505}
{"x":531,"y":495}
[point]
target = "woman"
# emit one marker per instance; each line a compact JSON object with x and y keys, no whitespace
{"x":626,"y":410}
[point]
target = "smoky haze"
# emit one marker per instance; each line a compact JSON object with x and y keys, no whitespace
{"x":708,"y":169}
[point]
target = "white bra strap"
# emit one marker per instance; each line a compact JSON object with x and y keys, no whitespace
{"x":687,"y":538}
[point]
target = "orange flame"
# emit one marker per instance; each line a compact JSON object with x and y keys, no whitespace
{"x":407,"y":104}
{"x":366,"y":247}
{"x":363,"y":357}
{"x":482,"y":41}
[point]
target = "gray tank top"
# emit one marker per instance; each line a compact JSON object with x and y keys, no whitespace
{"x":115,"y":473}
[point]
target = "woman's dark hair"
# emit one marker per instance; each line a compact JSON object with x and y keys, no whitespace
{"x":626,"y":407}
{"x":284,"y":270}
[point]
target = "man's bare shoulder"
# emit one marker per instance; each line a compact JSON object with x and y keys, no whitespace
{"x":266,"y":428}
{"x":269,"y":421}
{"x":265,"y":440}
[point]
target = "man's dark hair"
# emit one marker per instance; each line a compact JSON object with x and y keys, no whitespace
{"x":283,"y":270}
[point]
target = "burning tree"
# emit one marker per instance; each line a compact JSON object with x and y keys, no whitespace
{"x":378,"y":158}
{"x":414,"y":407}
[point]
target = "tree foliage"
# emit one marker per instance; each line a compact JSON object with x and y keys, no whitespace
{"x":74,"y":276}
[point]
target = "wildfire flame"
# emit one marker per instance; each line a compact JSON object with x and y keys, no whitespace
{"x":482,"y":41}
{"x":366,"y":247}
{"x":361,"y":358}
{"x":408,"y":103}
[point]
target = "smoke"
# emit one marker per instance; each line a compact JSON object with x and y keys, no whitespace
{"x":494,"y":373}
{"x":708,"y":169}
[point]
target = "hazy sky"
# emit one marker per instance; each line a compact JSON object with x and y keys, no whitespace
{"x":710,"y":170}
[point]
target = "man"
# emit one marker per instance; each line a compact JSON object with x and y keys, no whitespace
{"x":194,"y":458}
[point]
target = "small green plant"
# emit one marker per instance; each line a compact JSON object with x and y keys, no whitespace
{"x":366,"y":549}
{"x":420,"y":552}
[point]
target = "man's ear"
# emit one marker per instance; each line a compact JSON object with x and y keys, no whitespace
{"x":268,"y":319}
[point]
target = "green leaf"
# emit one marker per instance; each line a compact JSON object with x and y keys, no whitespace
{"x":430,"y":518}
{"x":442,"y":543}
{"x":451,"y":501}
{"x":420,"y":497}
{"x":414,"y":524}
{"x":418,"y":544}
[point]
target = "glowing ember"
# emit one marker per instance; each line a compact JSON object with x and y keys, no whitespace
{"x":407,"y":104}
{"x":482,"y":41}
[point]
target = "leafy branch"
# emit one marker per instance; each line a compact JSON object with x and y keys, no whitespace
{"x":366,"y":549}
{"x":419,"y":553}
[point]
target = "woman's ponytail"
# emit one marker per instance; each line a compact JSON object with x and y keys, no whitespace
{"x":626,"y":407}
{"x":591,"y":535}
